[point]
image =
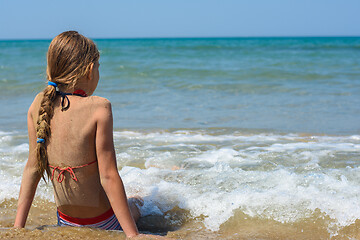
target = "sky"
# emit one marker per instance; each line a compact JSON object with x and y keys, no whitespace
{"x":44,"y":19}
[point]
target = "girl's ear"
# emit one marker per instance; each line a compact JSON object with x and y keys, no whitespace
{"x":90,"y":73}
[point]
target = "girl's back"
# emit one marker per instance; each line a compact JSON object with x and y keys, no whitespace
{"x":72,"y":144}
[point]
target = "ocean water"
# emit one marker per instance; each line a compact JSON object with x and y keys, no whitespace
{"x":224,"y":138}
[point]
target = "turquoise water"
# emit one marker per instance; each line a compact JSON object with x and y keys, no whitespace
{"x":279,"y":84}
{"x":230,"y":131}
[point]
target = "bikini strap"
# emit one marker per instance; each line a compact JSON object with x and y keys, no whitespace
{"x":65,"y":99}
{"x":70,"y":170}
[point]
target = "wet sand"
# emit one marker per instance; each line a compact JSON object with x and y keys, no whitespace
{"x":176,"y":224}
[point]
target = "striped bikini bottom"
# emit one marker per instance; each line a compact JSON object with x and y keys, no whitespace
{"x":107,"y":221}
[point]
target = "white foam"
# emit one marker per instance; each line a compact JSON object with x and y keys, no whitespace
{"x":12,"y":176}
{"x":2,"y":133}
{"x":193,"y":136}
{"x":280,"y":195}
{"x":7,"y":180}
{"x":285,"y":178}
{"x":281,"y":177}
{"x":5,"y":138}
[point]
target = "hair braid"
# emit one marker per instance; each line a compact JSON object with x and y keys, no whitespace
{"x":43,"y":131}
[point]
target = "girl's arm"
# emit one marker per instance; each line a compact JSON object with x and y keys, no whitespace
{"x":30,"y":178}
{"x":109,"y":175}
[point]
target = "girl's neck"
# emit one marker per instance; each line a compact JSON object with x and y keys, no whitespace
{"x":80,"y":85}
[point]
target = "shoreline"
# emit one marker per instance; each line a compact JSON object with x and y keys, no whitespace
{"x":42,"y":225}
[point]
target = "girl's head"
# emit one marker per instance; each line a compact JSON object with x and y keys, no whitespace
{"x":70,"y":57}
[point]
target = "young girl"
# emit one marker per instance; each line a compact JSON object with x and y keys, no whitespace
{"x":71,"y":139}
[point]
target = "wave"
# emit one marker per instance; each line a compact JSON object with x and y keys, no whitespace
{"x":221,"y":177}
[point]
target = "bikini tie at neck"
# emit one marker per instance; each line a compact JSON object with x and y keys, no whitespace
{"x":65,"y":103}
{"x":40,"y":140}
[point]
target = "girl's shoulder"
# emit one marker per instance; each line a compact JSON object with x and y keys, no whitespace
{"x":99,"y":102}
{"x":35,"y":105}
{"x":102,"y":108}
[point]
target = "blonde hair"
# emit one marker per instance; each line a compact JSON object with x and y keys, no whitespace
{"x":69,"y":58}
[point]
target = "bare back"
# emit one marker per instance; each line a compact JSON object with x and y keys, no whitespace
{"x":72,"y":144}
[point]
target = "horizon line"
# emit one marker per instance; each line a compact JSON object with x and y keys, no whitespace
{"x":187,"y":37}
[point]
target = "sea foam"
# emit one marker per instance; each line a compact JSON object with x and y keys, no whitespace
{"x":211,"y":174}
{"x":285,"y":178}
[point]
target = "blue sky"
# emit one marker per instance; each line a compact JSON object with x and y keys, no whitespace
{"x":38,"y":19}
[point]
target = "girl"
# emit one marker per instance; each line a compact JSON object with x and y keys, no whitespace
{"x":71,"y":139}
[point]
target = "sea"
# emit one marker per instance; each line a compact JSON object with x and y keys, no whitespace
{"x":223,"y":138}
